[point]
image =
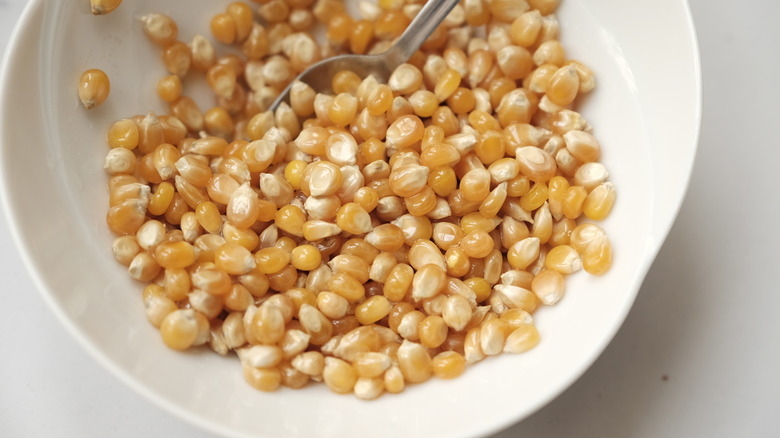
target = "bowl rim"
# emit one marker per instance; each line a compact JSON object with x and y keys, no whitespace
{"x":18,"y":38}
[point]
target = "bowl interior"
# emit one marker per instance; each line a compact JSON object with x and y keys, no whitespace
{"x":645,"y":111}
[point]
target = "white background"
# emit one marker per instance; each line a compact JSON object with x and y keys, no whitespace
{"x":698,"y":355}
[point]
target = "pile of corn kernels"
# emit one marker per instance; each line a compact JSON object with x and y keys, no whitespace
{"x":374,"y":236}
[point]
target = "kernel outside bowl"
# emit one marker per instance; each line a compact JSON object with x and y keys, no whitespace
{"x":645,"y":111}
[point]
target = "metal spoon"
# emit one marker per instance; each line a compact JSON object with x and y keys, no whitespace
{"x":319,"y":75}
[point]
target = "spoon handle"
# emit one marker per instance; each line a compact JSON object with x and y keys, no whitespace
{"x":423,"y":25}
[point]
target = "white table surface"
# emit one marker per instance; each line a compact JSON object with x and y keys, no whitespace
{"x":698,"y":355}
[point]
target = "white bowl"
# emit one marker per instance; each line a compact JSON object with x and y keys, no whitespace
{"x":645,"y":111}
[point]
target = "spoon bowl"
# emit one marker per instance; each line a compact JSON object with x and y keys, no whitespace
{"x":320,"y":75}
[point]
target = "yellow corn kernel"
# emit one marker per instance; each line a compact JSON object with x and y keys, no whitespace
{"x":209,"y":217}
{"x":346,"y":286}
{"x":564,"y":86}
{"x":93,"y":88}
{"x":573,"y":200}
{"x":123,"y":133}
{"x":447,"y":84}
{"x":353,"y":219}
{"x":372,"y":310}
{"x":174,"y":254}
{"x":343,"y":109}
{"x":223,"y":28}
{"x":306,"y":257}
{"x":271,"y":260}
{"x":361,"y":35}
{"x":177,"y":58}
{"x":598,"y":204}
{"x":339,"y":375}
{"x":522,"y":339}
{"x":179,"y":329}
{"x":597,"y":257}
{"x":448,"y":365}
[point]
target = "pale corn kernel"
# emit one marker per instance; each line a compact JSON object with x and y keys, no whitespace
{"x":177,"y":58}
{"x":582,"y":145}
{"x":539,"y":79}
{"x":414,"y":362}
{"x":157,"y":304}
{"x":394,"y":380}
{"x":550,"y":51}
{"x":567,"y":120}
{"x":428,"y":281}
{"x":261,"y":356}
{"x":103,"y":7}
{"x":516,"y":297}
{"x":161,"y":29}
{"x":499,"y":36}
{"x":369,"y":388}
{"x":276,"y":189}
{"x":456,"y":59}
{"x":404,"y":132}
{"x":315,"y":323}
{"x":456,"y":312}
{"x":310,"y":363}
{"x":332,"y":305}
{"x":515,"y":62}
{"x":471,"y":346}
{"x":408,"y":326}
{"x":322,"y":208}
{"x":424,"y":252}
{"x":590,"y":175}
{"x":446,"y":235}
{"x":203,"y":56}
{"x":233,"y":330}
{"x":587,"y":78}
{"x":120,"y":161}
{"x":205,"y":303}
{"x":357,"y":267}
{"x":542,"y":227}
{"x":507,"y":10}
{"x":125,"y":248}
{"x":405,"y":79}
{"x":341,"y":148}
{"x":548,"y":285}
